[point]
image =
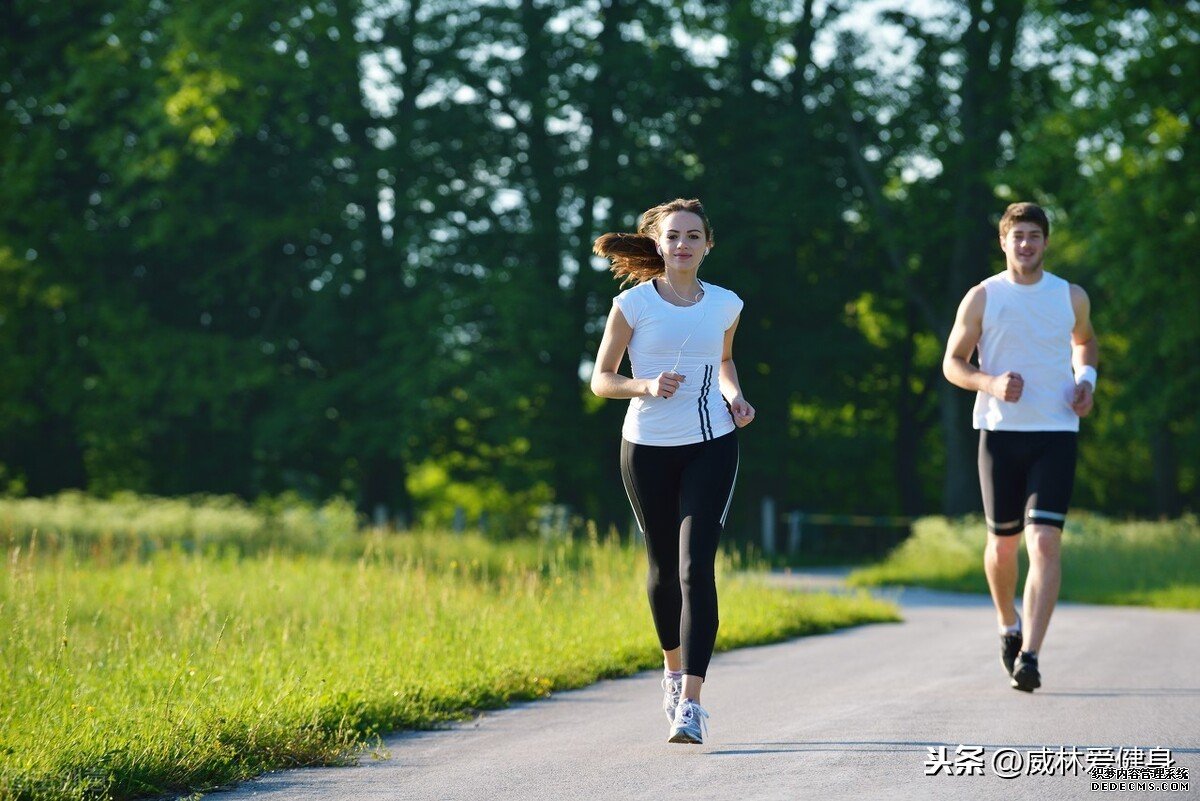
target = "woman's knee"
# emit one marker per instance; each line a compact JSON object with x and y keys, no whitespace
{"x":659,"y":576}
{"x":698,"y":576}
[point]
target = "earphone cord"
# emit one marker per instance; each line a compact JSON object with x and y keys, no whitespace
{"x":695,"y":328}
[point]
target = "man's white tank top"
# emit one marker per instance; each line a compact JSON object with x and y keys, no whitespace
{"x":693,"y":337}
{"x":1027,"y":329}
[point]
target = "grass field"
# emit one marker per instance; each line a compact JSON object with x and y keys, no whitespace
{"x":1104,"y":561}
{"x":132,"y":669}
{"x":128,"y":525}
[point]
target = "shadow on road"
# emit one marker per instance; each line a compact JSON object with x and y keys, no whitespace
{"x":1147,"y":692}
{"x":891,"y":746}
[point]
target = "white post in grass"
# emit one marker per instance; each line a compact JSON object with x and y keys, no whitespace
{"x":768,"y":525}
{"x":795,"y":531}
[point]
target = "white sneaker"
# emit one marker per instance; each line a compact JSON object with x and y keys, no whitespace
{"x":689,"y":725}
{"x":672,"y":689}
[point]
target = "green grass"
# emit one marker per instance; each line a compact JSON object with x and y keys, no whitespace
{"x":131,"y":525}
{"x":1104,"y":561}
{"x":130,"y":672}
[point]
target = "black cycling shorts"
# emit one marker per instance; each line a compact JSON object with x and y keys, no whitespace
{"x":1026,"y":477}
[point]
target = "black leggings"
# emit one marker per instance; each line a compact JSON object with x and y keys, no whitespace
{"x":681,"y":496}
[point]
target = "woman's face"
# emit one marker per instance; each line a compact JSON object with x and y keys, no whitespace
{"x":681,"y":240}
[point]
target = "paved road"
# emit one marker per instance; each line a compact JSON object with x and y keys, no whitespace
{"x":852,"y":714}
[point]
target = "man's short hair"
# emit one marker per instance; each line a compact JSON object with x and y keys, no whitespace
{"x":1024,"y":212}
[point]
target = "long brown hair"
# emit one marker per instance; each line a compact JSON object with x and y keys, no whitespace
{"x":634,"y":257}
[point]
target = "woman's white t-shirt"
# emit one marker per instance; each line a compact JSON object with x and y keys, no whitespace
{"x":689,"y":340}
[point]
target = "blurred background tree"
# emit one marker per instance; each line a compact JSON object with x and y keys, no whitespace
{"x":343,"y":247}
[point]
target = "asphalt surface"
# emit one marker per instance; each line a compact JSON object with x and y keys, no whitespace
{"x":862,"y":713}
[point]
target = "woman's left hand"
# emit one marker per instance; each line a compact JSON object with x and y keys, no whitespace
{"x":743,"y":412}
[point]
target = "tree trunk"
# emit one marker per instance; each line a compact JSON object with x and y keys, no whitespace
{"x":988,"y":44}
{"x":907,"y":442}
{"x":1168,"y":502}
{"x":960,"y":489}
{"x":384,"y":483}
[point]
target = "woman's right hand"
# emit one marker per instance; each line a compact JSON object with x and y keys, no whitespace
{"x":665,"y":385}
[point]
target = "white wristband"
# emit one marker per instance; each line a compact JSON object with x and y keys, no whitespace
{"x":1086,"y":373}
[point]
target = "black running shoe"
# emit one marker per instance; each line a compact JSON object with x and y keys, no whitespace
{"x":1010,"y":646}
{"x":1025,"y":675}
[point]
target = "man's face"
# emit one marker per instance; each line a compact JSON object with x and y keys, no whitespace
{"x":1024,"y":245}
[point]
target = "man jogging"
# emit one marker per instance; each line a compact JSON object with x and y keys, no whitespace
{"x":1036,"y":375}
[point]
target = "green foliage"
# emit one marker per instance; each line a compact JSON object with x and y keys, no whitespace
{"x":255,"y":247}
{"x":483,"y":502}
{"x":1104,"y":561}
{"x":1125,"y":203}
{"x":128,"y":524}
{"x":940,"y":553}
{"x":181,"y":672}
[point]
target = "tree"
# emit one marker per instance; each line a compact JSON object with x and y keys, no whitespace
{"x":946,"y":120}
{"x":1125,"y":113}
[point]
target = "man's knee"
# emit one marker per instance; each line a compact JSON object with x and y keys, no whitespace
{"x":1044,"y":543}
{"x":1003,"y":548}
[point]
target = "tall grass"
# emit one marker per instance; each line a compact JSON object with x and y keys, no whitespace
{"x":128,"y":524}
{"x":1104,"y":561}
{"x":178,"y":669}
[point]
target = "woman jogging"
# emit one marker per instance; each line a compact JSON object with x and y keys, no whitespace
{"x":679,"y":452}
